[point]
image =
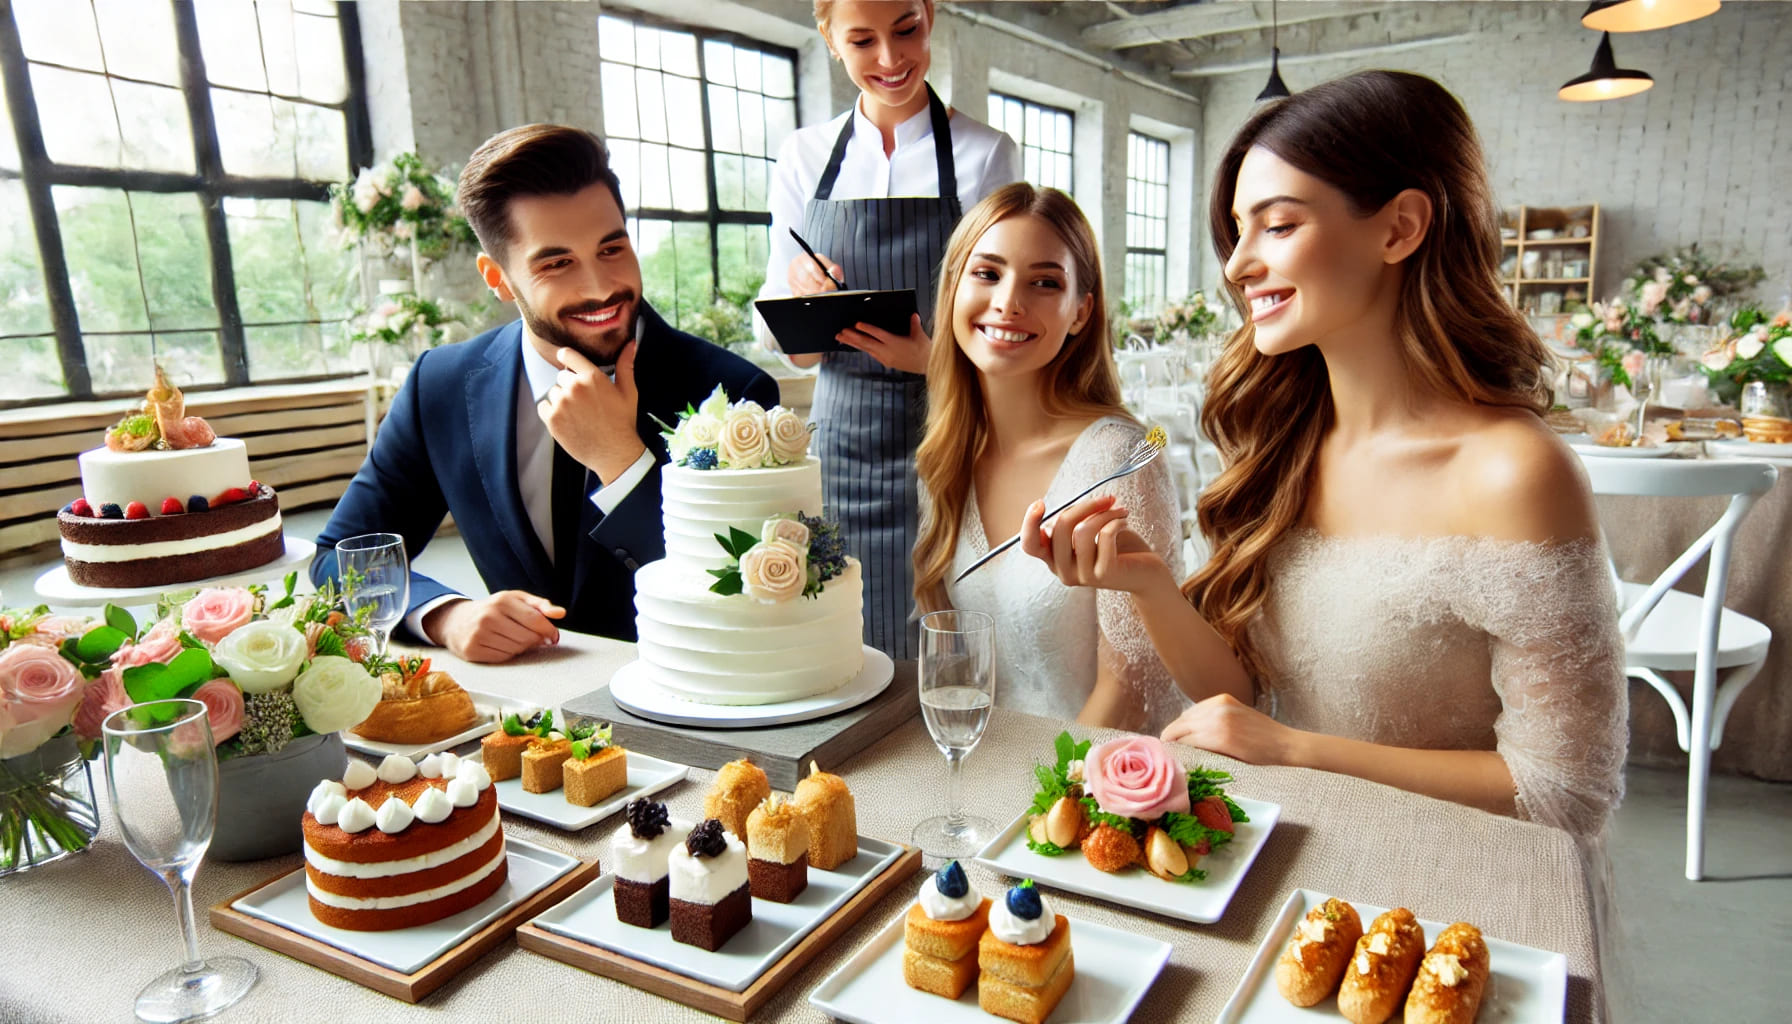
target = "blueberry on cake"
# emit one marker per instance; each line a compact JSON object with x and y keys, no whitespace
{"x":941,"y":933}
{"x":1024,"y":959}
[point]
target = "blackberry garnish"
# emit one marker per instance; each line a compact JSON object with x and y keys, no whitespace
{"x":707,"y":839}
{"x":647,"y":818}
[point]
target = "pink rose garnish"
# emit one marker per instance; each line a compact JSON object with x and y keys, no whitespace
{"x":104,"y":696}
{"x":38,"y":694}
{"x":159,"y":645}
{"x":223,"y":707}
{"x":216,"y":611}
{"x":51,"y":630}
{"x":1136,"y":777}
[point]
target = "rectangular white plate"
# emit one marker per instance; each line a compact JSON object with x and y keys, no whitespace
{"x":406,"y":950}
{"x":1201,"y":902}
{"x":1114,"y":969}
{"x":646,"y":775}
{"x":589,"y":916}
{"x":1527,"y":985}
{"x":491,"y":707}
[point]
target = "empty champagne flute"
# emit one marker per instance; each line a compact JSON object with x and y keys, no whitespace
{"x":162,"y":779}
{"x":958,"y":691}
{"x":375,"y":574}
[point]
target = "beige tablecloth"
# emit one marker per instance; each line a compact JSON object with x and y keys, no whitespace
{"x":79,"y":938}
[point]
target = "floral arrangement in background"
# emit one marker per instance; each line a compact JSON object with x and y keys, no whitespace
{"x":739,"y":435}
{"x":792,"y":556}
{"x":406,"y":320}
{"x":1193,"y":316}
{"x":1680,"y":287}
{"x":400,"y":203}
{"x":1619,"y":335}
{"x":1757,"y":347}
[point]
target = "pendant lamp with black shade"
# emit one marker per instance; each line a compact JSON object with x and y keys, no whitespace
{"x":1605,"y":80}
{"x":1276,"y":88}
{"x":1644,"y":15}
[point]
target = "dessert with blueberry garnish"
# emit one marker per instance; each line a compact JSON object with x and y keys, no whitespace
{"x":641,"y":851}
{"x":1024,"y":958}
{"x":708,"y":885}
{"x":777,"y":850}
{"x":941,"y":934}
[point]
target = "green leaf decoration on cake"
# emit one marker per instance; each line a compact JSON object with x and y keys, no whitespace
{"x":737,"y":543}
{"x":595,"y":740}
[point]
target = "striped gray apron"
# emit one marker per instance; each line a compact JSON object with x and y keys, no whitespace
{"x":869,"y":418}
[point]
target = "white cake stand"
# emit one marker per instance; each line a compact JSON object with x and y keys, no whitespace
{"x":55,"y":587}
{"x":635,"y":694}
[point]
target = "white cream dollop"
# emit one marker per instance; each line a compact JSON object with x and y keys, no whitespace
{"x":463,"y":793}
{"x":355,"y":816}
{"x":430,"y":767}
{"x":395,"y":815}
{"x":474,"y":772}
{"x":360,"y":775}
{"x":396,"y":769}
{"x":433,"y":806}
{"x":941,"y":907}
{"x":324,"y":788}
{"x":450,"y":764}
{"x":1018,"y":931}
{"x":329,"y":808}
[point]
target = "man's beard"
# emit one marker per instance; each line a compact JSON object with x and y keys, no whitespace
{"x":605,"y":348}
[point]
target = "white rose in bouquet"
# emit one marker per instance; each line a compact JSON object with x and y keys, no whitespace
{"x":702,"y":429}
{"x":772,"y":572}
{"x":334,"y":693}
{"x":789,"y":435}
{"x":791,"y":531}
{"x":744,"y":444}
{"x":1750,"y":345}
{"x":261,"y":657}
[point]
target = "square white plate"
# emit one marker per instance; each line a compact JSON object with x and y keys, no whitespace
{"x":491,"y":707}
{"x":645,"y":775}
{"x":1528,"y":985}
{"x":1201,"y":902}
{"x":589,"y":916}
{"x":1114,"y":969}
{"x":406,"y":950}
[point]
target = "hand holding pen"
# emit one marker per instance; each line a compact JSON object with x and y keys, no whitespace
{"x":811,"y":274}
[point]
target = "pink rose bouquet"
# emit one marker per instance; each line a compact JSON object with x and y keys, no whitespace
{"x":216,"y":612}
{"x":41,"y":691}
{"x":1136,"y":777}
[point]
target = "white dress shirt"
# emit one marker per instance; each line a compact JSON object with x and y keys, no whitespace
{"x":983,"y":158}
{"x":535,"y":465}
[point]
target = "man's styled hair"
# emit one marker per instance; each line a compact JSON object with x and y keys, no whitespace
{"x":533,"y":160}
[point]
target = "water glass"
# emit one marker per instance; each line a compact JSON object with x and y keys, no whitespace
{"x":375,"y":574}
{"x":958,"y":691}
{"x":162,"y":780}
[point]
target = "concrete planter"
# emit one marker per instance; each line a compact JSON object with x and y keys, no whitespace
{"x":262,"y":798}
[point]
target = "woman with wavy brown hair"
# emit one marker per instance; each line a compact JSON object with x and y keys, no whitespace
{"x":1023,"y":400}
{"x":1406,"y":582}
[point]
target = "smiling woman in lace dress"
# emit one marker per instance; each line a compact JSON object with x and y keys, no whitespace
{"x":1023,"y":400}
{"x":1406,"y":583}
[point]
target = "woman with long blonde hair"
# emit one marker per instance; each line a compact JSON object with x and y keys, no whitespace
{"x":1406,"y":582}
{"x":1024,"y":400}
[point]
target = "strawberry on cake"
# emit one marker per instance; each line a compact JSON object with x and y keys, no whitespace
{"x":396,"y":847}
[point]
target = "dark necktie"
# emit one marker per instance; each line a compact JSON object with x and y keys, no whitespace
{"x":569,"y":497}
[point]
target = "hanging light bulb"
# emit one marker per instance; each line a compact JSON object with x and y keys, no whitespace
{"x":1275,"y":89}
{"x":1643,"y":15}
{"x":1605,"y":80}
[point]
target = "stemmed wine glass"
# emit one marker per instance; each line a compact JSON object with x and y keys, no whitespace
{"x":958,"y":690}
{"x":162,"y":778}
{"x":375,"y":573}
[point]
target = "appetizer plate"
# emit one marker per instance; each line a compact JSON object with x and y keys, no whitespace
{"x":589,"y":916}
{"x":1201,"y":902}
{"x":645,"y":775}
{"x":1114,"y":969}
{"x":1527,"y":985}
{"x":1740,"y":448}
{"x":1611,"y":452}
{"x":284,"y":903}
{"x":632,"y":691}
{"x":491,"y":708}
{"x":55,"y":586}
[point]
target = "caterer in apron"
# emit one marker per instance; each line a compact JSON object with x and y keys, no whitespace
{"x":876,"y":193}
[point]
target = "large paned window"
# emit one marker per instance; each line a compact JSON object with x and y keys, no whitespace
{"x":694,"y":120}
{"x":1147,"y":222}
{"x":1043,"y":134}
{"x":163,"y":191}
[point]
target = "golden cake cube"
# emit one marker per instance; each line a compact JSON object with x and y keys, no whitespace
{"x":541,"y":765}
{"x":833,"y":824}
{"x":602,"y":774}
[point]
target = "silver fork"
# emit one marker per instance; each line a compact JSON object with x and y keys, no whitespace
{"x":1138,"y":458}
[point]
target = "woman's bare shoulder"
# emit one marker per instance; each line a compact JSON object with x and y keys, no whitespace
{"x":1514,"y":479}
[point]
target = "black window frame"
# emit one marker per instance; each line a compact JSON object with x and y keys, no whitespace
{"x":39,"y":174}
{"x":1151,"y":142}
{"x":1020,"y":140}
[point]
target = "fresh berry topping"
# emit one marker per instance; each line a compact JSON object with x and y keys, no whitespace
{"x":110,"y":510}
{"x":136,"y":510}
{"x":172,"y":507}
{"x":79,"y":507}
{"x":231,"y":496}
{"x":197,"y":503}
{"x":950,"y":881}
{"x":647,"y":818}
{"x":1212,"y":812}
{"x":707,"y":839}
{"x":254,"y":487}
{"x":1024,"y":903}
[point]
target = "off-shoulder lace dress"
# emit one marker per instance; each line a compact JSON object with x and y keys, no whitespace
{"x":1457,"y":643}
{"x":1050,"y":638}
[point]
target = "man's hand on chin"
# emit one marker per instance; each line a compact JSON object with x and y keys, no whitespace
{"x":495,"y":628}
{"x":593,"y":417}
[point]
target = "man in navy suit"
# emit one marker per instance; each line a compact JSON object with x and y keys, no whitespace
{"x":540,"y":437}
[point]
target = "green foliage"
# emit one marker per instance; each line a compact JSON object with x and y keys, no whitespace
{"x":1054,"y":781}
{"x":160,"y":682}
{"x":1188,"y":830}
{"x":329,"y":643}
{"x":1206,"y":782}
{"x":737,"y":544}
{"x":539,"y":724}
{"x":676,"y":276}
{"x":1097,"y":816}
{"x":121,"y":620}
{"x":401,"y":203}
{"x":404,"y":319}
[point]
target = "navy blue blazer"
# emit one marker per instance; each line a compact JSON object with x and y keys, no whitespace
{"x":448,"y":445}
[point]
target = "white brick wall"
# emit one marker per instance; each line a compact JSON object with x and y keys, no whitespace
{"x":1705,"y":156}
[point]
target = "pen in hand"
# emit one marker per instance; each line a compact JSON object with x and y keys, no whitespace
{"x":829,"y":274}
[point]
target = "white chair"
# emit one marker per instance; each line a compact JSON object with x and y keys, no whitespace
{"x":1667,"y":630}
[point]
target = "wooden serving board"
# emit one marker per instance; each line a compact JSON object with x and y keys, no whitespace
{"x":708,"y":998}
{"x":784,"y":751}
{"x":409,"y":987}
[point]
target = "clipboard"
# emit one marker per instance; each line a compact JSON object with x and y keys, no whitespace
{"x":806,"y":324}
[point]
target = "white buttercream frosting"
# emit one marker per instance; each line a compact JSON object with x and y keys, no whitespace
{"x":150,"y":476}
{"x":170,"y":548}
{"x":360,"y":775}
{"x":325,"y":788}
{"x":1019,"y":931}
{"x":410,"y":899}
{"x":941,"y":907}
{"x":472,"y":771}
{"x":430,"y":767}
{"x":463,"y":793}
{"x":707,"y":880}
{"x":394,"y":816}
{"x":432,"y":806}
{"x":645,"y":860}
{"x":396,"y":769}
{"x":388,"y":868}
{"x":356,"y":816}
{"x":329,"y":809}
